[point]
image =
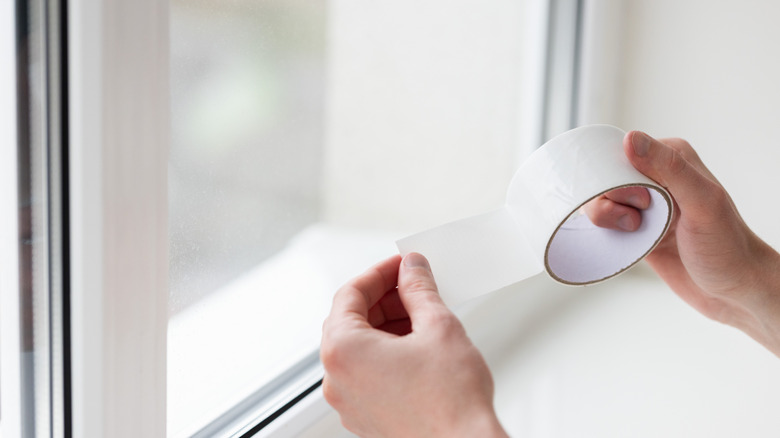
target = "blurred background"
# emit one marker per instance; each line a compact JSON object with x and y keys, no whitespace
{"x":308,"y":136}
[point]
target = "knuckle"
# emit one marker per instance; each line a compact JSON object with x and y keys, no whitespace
{"x":605,"y":209}
{"x":341,"y":293}
{"x":709,"y":209}
{"x":599,"y":220}
{"x":329,"y":356}
{"x":421,"y":283}
{"x":330,"y":393}
{"x":446,"y":323}
{"x":718,"y":196}
{"x":340,"y":351}
{"x":600,"y":211}
{"x":676,"y":162}
{"x":332,"y":353}
{"x":684,"y":148}
{"x":678,"y":144}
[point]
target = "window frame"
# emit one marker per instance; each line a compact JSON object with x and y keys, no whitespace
{"x":118,"y":101}
{"x":119,"y":256}
{"x":10,"y":336}
{"x":34,"y":298}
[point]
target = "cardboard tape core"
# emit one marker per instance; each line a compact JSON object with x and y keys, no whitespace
{"x":582,"y":253}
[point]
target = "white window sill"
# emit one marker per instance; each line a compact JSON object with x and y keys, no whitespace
{"x":622,"y":358}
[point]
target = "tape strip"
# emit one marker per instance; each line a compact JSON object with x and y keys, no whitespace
{"x":539,"y":227}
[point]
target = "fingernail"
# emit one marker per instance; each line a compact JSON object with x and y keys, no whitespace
{"x":414,"y":260}
{"x":641,"y":143}
{"x":625,"y":223}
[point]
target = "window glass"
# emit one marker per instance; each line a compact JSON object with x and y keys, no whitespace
{"x":247,"y":88}
{"x":307,"y":137}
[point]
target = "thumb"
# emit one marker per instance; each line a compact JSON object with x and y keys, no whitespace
{"x":677,"y":168}
{"x":417,"y":290}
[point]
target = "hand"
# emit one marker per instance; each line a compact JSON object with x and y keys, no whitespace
{"x":398,"y":363}
{"x":710,"y":258}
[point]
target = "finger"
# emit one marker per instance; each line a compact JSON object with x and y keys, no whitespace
{"x":685,"y":149}
{"x":418,"y":292}
{"x":689,"y":185}
{"x":389,"y":308}
{"x":398,"y":327}
{"x":637,"y":197}
{"x":362,"y":293}
{"x":606,"y":213}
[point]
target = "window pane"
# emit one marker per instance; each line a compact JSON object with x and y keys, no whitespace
{"x":308,"y":137}
{"x":247,"y":84}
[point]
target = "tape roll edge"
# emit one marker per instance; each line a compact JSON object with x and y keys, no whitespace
{"x":670,"y":214}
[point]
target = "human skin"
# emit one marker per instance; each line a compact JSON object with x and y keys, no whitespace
{"x":709,"y":257}
{"x":398,"y":362}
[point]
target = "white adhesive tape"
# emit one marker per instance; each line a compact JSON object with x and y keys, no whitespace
{"x":540,"y":228}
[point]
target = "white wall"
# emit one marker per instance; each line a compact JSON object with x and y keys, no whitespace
{"x":708,"y":71}
{"x":422,"y":110}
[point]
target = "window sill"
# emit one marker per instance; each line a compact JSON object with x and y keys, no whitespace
{"x":621,"y":358}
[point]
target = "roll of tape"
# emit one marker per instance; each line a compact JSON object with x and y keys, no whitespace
{"x":540,"y":227}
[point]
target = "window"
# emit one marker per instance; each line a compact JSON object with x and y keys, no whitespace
{"x":228,"y":167}
{"x":244,"y":181}
{"x":307,"y":138}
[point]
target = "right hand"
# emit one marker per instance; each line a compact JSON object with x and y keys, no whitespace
{"x":709,"y":257}
{"x":398,"y":363}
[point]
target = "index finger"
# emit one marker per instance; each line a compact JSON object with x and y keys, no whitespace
{"x":363,"y":292}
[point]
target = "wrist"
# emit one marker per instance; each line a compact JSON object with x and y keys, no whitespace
{"x":483,"y":424}
{"x":764,"y":303}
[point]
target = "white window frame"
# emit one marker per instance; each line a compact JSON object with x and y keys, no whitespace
{"x":118,"y":67}
{"x":119,"y":135}
{"x":10,"y":336}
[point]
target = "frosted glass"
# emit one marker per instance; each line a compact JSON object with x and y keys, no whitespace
{"x":247,"y":96}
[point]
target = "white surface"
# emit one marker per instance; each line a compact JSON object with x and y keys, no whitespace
{"x":705,"y":71}
{"x":423,"y":103}
{"x":622,"y":358}
{"x":299,"y":418}
{"x":631,"y":359}
{"x":477,"y":255}
{"x":118,"y":146}
{"x":86,"y":305}
{"x":10,"y":338}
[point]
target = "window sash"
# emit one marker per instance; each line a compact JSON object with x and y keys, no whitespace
{"x":119,"y":138}
{"x":10,"y":336}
